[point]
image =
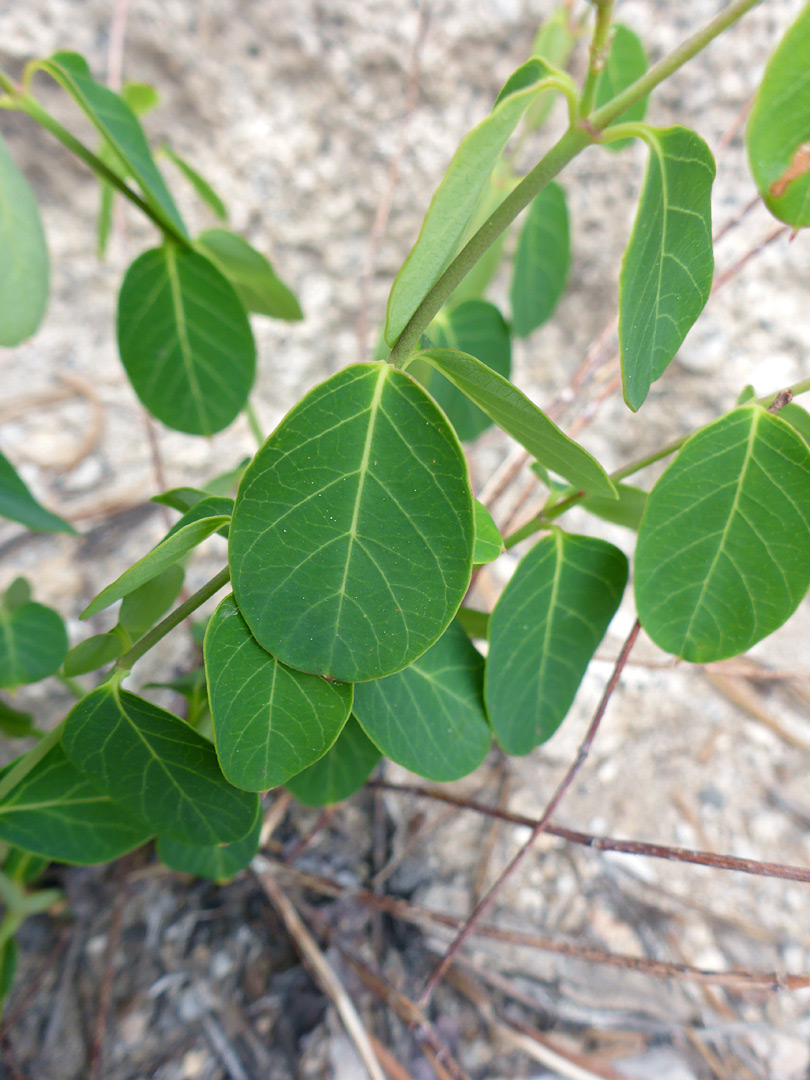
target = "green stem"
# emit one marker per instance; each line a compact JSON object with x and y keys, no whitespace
{"x":29,"y":760}
{"x":669,"y":64}
{"x":598,"y":55}
{"x":255,"y":426}
{"x":568,"y":147}
{"x":8,"y":84}
{"x":71,"y":685}
{"x":174,"y":618}
{"x":29,"y":105}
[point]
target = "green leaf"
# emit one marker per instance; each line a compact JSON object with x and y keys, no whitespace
{"x":142,"y":608}
{"x":200,"y":185}
{"x":626,"y":61}
{"x":24,"y":266}
{"x":18,"y":504}
{"x":543,"y":632}
{"x":626,"y":510}
{"x":58,"y":813}
{"x":219,"y":862}
{"x":473,"y":327}
{"x":798,"y":418}
{"x":667,"y":269}
{"x":259,"y":288}
{"x":488,"y":541}
{"x":554,"y":43}
{"x":430,"y":717}
{"x":778,"y":134}
{"x":183,"y":498}
{"x":167,"y":552}
{"x":270,"y":722}
{"x":351,"y":540}
{"x":15,"y":724}
{"x":117,"y":124}
{"x":474,"y":623}
{"x":723,"y":553}
{"x":520,"y":418}
{"x":92,"y":654}
{"x":33,"y":644}
{"x":156,"y":767}
{"x":17,"y":594}
{"x":207,"y":507}
{"x":455,"y":199}
{"x":141,"y":97}
{"x":185,"y":340}
{"x":473,"y":285}
{"x":540,"y":267}
{"x":340,"y":772}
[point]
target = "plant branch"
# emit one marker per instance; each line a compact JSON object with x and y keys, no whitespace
{"x":28,"y":104}
{"x":539,"y":826}
{"x":174,"y":618}
{"x":598,"y":54}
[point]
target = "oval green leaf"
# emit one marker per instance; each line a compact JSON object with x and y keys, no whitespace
{"x":352,"y":535}
{"x":476,"y":327}
{"x":430,"y":717}
{"x":488,"y":541}
{"x":723,"y":553}
{"x":168,"y":551}
{"x":778,"y":134}
{"x":185,"y":340}
{"x":24,"y":267}
{"x":455,"y":199}
{"x":519,"y":417}
{"x":93,"y":653}
{"x":156,"y":767}
{"x":270,"y":722}
{"x":18,"y":504}
{"x":218,"y":862}
{"x":544,"y":631}
{"x":626,"y":61}
{"x":340,"y":772}
{"x":117,"y":123}
{"x":256,"y":282}
{"x":58,"y":813}
{"x":667,"y":269}
{"x":142,"y":608}
{"x":540,"y":267}
{"x":33,"y":644}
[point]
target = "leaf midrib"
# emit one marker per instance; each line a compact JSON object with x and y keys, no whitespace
{"x":182,"y":336}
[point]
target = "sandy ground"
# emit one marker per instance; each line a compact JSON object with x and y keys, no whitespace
{"x":295,"y":112}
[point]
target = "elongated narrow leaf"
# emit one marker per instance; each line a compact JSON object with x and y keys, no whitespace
{"x":57,"y":812}
{"x":520,"y":418}
{"x":208,"y":507}
{"x":256,"y":282}
{"x":18,"y":504}
{"x":554,"y":43}
{"x":351,"y":540}
{"x":778,"y":135}
{"x":456,"y":197}
{"x":199,"y":183}
{"x":475,"y":327}
{"x":667,"y":269}
{"x":430,"y":717}
{"x":340,"y":772}
{"x":24,"y":266}
{"x":488,"y":541}
{"x":168,"y":552}
{"x":118,"y":124}
{"x":543,"y":632}
{"x":142,"y":608}
{"x":185,"y":340}
{"x":156,"y":767}
{"x":625,"y":62}
{"x":33,"y":644}
{"x":219,"y":862}
{"x":270,"y":721}
{"x":540,"y":268}
{"x":723,"y":553}
{"x":92,"y":654}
